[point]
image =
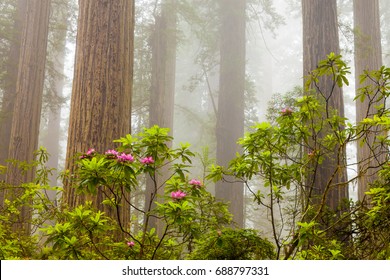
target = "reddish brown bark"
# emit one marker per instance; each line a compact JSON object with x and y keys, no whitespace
{"x":368,"y":56}
{"x":320,"y":37}
{"x":102,"y":88}
{"x":28,"y":102}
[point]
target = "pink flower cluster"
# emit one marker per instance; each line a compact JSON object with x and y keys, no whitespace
{"x":147,"y":160}
{"x":195,"y":183}
{"x":125,"y":157}
{"x":286,"y":111}
{"x":178,"y":195}
{"x":89,"y":153}
{"x":311,"y":154}
{"x":130,"y":244}
{"x":121,"y":157}
{"x":112,"y":152}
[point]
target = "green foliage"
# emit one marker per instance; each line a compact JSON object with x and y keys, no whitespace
{"x":373,"y":221}
{"x":32,"y":198}
{"x":280,"y":101}
{"x":85,"y":233}
{"x":286,"y":153}
{"x":233,"y":244}
{"x":333,"y":66}
{"x":316,"y":245}
{"x":186,"y":211}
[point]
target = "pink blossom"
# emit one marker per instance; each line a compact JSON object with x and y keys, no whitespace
{"x":125,"y":157}
{"x":147,"y":160}
{"x":130,"y":244}
{"x":195,"y":183}
{"x":88,"y":154}
{"x":112,"y":152}
{"x":286,"y":111}
{"x":178,"y":195}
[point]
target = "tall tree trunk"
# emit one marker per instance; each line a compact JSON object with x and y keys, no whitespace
{"x":162,"y":95}
{"x":28,"y":102}
{"x":9,"y":94}
{"x":320,"y":37}
{"x":230,"y":117}
{"x":102,"y":88}
{"x":51,"y":141}
{"x":368,"y":56}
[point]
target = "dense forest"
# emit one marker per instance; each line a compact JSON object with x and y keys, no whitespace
{"x":194,"y":129}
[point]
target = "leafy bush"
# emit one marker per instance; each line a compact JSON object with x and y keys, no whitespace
{"x":31,"y":199}
{"x":300,"y":158}
{"x":185,"y":210}
{"x":233,"y":244}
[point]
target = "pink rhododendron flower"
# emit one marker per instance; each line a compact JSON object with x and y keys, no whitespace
{"x":125,"y":157}
{"x":147,"y":160}
{"x":112,"y":152}
{"x":286,"y":111}
{"x":89,"y":153}
{"x":178,"y":195}
{"x":195,"y":183}
{"x":130,"y":244}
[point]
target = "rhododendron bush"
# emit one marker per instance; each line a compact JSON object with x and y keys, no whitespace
{"x":185,"y":210}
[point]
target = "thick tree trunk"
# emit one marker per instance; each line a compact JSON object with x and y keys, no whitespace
{"x":102,"y":87}
{"x":320,"y":37}
{"x":368,"y":56}
{"x":9,"y":94}
{"x":230,"y":117}
{"x":162,"y":95}
{"x":28,"y":102}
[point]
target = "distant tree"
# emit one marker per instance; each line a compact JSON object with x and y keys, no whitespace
{"x":60,"y":33}
{"x":102,"y":89}
{"x":10,"y":71}
{"x":320,"y":37}
{"x":230,"y":116}
{"x":143,"y":28}
{"x":368,"y":57}
{"x":163,"y":44}
{"x":161,"y":108}
{"x":28,"y":101}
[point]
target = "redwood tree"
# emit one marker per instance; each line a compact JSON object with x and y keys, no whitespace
{"x":60,"y":24}
{"x":320,"y":37}
{"x":368,"y":57}
{"x":230,"y":117}
{"x":102,"y":88}
{"x":9,"y":89}
{"x":163,"y":45}
{"x":28,"y":100}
